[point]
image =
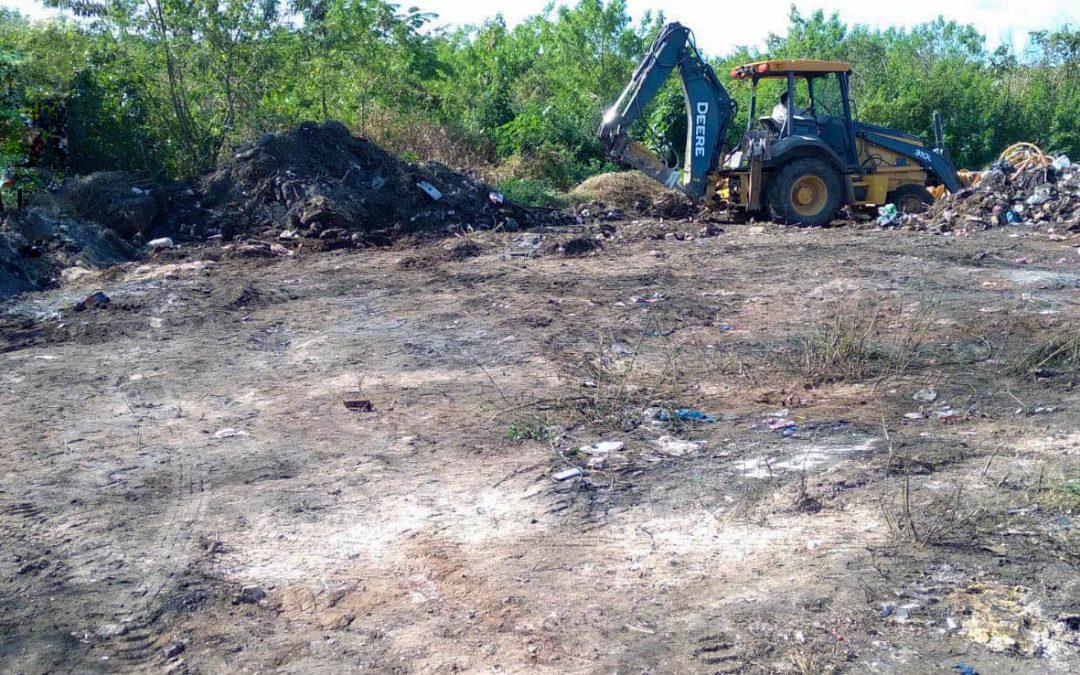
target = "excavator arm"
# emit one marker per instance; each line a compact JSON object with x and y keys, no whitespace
{"x":709,"y":110}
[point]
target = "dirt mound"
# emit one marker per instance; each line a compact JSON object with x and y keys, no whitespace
{"x":117,"y":200}
{"x":320,"y":181}
{"x":35,"y":247}
{"x":636,"y":192}
{"x":1007,"y":196}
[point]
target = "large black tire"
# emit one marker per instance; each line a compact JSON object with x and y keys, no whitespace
{"x":910,"y":198}
{"x":805,"y":192}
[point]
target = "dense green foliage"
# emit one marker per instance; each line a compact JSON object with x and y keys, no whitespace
{"x":165,"y":87}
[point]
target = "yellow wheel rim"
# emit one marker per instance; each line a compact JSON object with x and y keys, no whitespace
{"x":808,"y":195}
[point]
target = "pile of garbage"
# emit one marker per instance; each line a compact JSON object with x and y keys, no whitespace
{"x":317,"y":185}
{"x":312,"y":182}
{"x":1024,"y":187}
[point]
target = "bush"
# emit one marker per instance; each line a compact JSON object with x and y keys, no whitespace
{"x":532,"y":192}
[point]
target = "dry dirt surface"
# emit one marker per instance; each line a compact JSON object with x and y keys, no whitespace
{"x":885,"y":475}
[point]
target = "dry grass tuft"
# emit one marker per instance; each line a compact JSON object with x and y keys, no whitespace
{"x":1060,"y":352}
{"x":628,"y":190}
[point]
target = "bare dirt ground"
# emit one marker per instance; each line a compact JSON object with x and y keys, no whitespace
{"x":885,"y":487}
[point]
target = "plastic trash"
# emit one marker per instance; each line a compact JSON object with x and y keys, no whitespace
{"x":685,"y":415}
{"x":95,"y":299}
{"x":1011,"y":217}
{"x":430,"y":189}
{"x":161,"y":242}
{"x":568,"y":474}
{"x":888,"y":215}
{"x":1062,"y":162}
{"x":675,"y":447}
{"x":925,"y":395}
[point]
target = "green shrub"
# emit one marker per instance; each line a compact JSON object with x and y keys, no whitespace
{"x":532,"y":192}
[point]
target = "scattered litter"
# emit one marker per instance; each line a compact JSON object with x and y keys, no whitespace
{"x":925,"y":395}
{"x":95,"y":299}
{"x":888,"y":215}
{"x":684,"y":415}
{"x":1023,"y":260}
{"x":603,"y":447}
{"x":675,"y":447}
{"x":948,"y":414}
{"x":430,"y":190}
{"x":229,"y":432}
{"x":359,"y":405}
{"x":161,"y":242}
{"x":913,"y":416}
{"x":655,"y":297}
{"x":496,"y":198}
{"x":965,"y":669}
{"x":782,"y":413}
{"x":785,"y":427}
{"x":568,"y":474}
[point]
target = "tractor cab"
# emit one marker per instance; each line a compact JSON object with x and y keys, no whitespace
{"x":812,"y":104}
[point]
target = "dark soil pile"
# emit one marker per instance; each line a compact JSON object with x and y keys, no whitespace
{"x":36,"y":246}
{"x":1006,"y":196}
{"x":312,"y":182}
{"x":320,"y":181}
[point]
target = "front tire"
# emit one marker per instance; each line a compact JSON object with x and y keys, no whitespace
{"x":910,"y":198}
{"x":805,"y":192}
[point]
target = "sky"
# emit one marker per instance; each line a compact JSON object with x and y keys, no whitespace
{"x":719,"y":26}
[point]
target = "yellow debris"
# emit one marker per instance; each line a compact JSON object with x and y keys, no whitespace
{"x":1001,"y":617}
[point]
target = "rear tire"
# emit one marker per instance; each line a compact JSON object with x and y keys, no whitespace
{"x":910,"y":198}
{"x":805,"y":192}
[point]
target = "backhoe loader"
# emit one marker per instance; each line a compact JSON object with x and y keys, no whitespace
{"x":800,"y":164}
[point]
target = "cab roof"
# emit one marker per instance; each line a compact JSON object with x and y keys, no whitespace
{"x":797,"y":67}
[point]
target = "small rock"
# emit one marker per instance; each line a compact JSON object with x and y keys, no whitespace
{"x":174,"y":649}
{"x":111,"y":630}
{"x":250,"y":595}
